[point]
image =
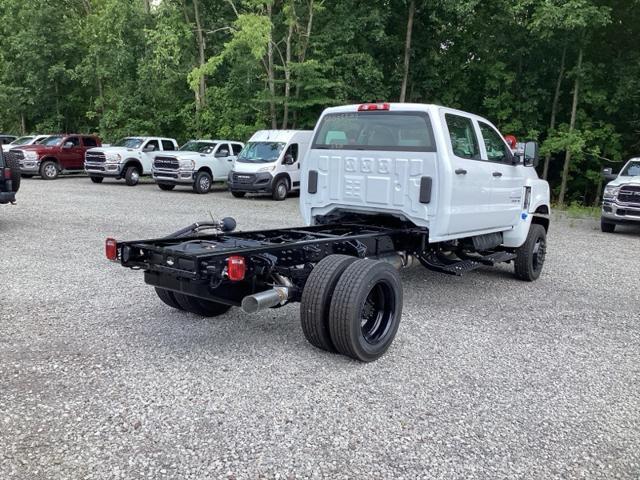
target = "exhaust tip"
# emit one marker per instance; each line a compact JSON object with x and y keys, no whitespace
{"x":250,"y":304}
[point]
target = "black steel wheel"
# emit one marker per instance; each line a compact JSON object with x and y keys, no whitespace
{"x":238,"y":194}
{"x":531,"y":255}
{"x":316,"y":299}
{"x":202,"y":183}
{"x":97,"y":179}
{"x":607,"y":227}
{"x":168,"y":297}
{"x":49,"y":170}
{"x":166,"y":186}
{"x":132,"y":176}
{"x":366,"y":309}
{"x":199,"y":306}
{"x":280,"y":189}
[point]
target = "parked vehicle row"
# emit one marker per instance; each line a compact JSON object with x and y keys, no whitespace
{"x":621,"y":199}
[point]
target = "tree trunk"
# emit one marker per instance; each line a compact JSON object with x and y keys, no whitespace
{"x":270,"y":72}
{"x":554,"y":108}
{"x":407,"y":50}
{"x":23,"y":124}
{"x":302,"y":55}
{"x":147,"y":5}
{"x":201,"y":92}
{"x":287,"y":79}
{"x":596,"y":201}
{"x":572,"y":124}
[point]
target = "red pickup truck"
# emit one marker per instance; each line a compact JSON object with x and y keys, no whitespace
{"x":54,"y":155}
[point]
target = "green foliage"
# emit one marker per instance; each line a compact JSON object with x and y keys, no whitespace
{"x":108,"y":66}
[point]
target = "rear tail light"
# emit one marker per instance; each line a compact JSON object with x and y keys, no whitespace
{"x":368,"y":107}
{"x":236,"y":268}
{"x":7,"y":174}
{"x":111,"y":249}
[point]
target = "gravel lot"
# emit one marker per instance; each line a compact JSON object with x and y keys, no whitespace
{"x":488,"y":377}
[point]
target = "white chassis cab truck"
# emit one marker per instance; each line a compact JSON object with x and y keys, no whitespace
{"x":270,"y":163}
{"x":198,"y":164}
{"x":381,"y":185}
{"x":621,"y":199}
{"x":129,"y":158}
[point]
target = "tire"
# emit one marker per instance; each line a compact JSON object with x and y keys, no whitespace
{"x":365,"y":310}
{"x":132,"y":176}
{"x":49,"y":170}
{"x":607,"y":227}
{"x":97,"y":179}
{"x":316,"y":300}
{"x":530,"y":256}
{"x":239,"y":194}
{"x":202,"y":183}
{"x":168,"y":298}
{"x":280,"y":189}
{"x":200,"y":306}
{"x":14,"y":166}
{"x":166,"y":186}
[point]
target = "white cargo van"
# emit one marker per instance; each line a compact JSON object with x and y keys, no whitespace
{"x":270,"y":163}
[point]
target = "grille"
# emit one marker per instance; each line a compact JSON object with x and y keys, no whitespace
{"x":170,"y":163}
{"x":16,"y":155}
{"x":96,"y":157}
{"x":243,"y":178}
{"x":629,"y":194}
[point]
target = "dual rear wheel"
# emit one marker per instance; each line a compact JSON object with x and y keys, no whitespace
{"x":189,"y":303}
{"x":352,"y":306}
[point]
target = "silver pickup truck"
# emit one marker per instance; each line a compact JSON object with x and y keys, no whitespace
{"x":621,"y":199}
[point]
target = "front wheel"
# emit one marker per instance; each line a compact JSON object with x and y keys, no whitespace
{"x":607,"y":227}
{"x":166,"y":186}
{"x":132,"y":176}
{"x":49,"y":170}
{"x":202,"y":183}
{"x":280,"y":189}
{"x":530,"y":256}
{"x":365,"y":310}
{"x":97,"y":179}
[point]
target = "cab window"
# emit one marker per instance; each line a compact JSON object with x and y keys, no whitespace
{"x":237,"y":148}
{"x":493,"y":143}
{"x":168,"y":145}
{"x":89,"y":142}
{"x":464,"y":142}
{"x":152,"y":143}
{"x":74,"y":140}
{"x":293,"y":151}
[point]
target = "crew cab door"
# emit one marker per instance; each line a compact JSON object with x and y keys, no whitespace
{"x":507,"y":179}
{"x":291,"y":165}
{"x":149,"y":151}
{"x":223,"y":160}
{"x":471,"y":206}
{"x":71,"y":154}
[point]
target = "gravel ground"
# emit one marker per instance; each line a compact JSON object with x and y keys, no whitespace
{"x":488,"y":377}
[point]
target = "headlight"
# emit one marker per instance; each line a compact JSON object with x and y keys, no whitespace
{"x":113,"y":157}
{"x":187,"y":164}
{"x":611,"y":191}
{"x":267,"y":169}
{"x":30,"y":155}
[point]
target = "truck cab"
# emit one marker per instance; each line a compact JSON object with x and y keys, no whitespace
{"x":128,"y":159}
{"x":54,"y":155}
{"x":198,"y":164}
{"x":270,"y":163}
{"x":439,"y":168}
{"x":621,"y":199}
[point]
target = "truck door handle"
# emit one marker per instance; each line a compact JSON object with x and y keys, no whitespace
{"x":461,"y":171}
{"x":497,"y":174}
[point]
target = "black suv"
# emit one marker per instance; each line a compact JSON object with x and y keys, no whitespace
{"x":9,"y":177}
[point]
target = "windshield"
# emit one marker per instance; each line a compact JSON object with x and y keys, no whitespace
{"x":196,"y":146}
{"x":54,"y":140}
{"x":128,"y":143}
{"x":260,"y":152}
{"x":631,"y":170}
{"x":390,"y":131}
{"x":21,"y":141}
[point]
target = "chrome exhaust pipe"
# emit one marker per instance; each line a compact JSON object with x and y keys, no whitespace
{"x":267,"y":299}
{"x":398,"y":260}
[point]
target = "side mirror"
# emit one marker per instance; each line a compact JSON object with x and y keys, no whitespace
{"x":607,"y":174}
{"x":288,"y":159}
{"x":530,"y":156}
{"x":67,"y":145}
{"x":222,"y":153}
{"x":149,"y":148}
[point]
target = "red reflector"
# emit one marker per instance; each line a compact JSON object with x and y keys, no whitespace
{"x":7,"y":174}
{"x":236,"y":268}
{"x":368,"y":107}
{"x":111,"y":249}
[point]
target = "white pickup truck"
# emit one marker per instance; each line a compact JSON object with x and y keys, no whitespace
{"x":621,"y":199}
{"x":129,"y":158}
{"x":198,"y":164}
{"x":381,"y":185}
